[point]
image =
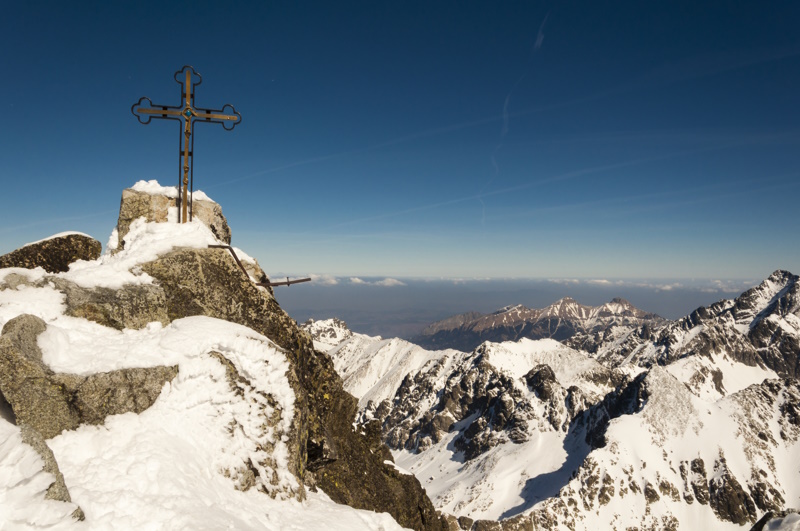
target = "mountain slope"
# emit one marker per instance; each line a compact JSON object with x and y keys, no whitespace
{"x":699,"y":431}
{"x":760,"y":328}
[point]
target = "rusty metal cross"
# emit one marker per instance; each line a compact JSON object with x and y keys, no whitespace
{"x":188,"y":114}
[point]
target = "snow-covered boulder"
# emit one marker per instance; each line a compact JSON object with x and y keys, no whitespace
{"x":53,"y":254}
{"x":52,"y":402}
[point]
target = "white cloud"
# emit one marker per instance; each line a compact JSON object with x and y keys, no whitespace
{"x":386,"y":282}
{"x":323,"y":280}
{"x":389,"y":282}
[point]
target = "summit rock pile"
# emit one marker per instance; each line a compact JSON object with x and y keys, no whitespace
{"x":127,"y":339}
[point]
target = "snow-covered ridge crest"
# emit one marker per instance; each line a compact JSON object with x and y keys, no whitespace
{"x":372,"y":367}
{"x":759,"y":331}
{"x":229,"y":424}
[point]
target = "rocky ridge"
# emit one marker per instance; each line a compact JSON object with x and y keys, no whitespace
{"x":560,"y":321}
{"x":536,"y":435}
{"x":760,"y":329}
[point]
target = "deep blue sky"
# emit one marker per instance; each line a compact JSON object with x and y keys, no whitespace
{"x":647,"y":139}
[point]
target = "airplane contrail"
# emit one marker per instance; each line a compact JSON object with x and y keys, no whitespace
{"x":505,"y":114}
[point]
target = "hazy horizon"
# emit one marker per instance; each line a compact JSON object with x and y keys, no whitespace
{"x":402,"y":307}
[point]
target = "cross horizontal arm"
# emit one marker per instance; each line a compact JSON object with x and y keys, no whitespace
{"x":212,"y":116}
{"x":144,"y":110}
{"x":227,"y":116}
{"x":159,"y":111}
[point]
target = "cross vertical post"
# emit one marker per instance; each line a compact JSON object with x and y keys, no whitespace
{"x":186,"y":113}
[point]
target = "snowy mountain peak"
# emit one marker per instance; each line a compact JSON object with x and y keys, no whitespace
{"x":779,"y":294}
{"x":327,"y":332}
{"x":567,"y":308}
{"x":509,"y":309}
{"x":560,"y":320}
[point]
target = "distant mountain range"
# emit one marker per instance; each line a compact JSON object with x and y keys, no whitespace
{"x":653,"y":424}
{"x":560,"y":321}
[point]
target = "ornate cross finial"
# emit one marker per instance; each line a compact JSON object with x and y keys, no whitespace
{"x":187,"y":113}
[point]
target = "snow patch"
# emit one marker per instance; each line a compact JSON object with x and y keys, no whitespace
{"x":59,"y":235}
{"x":152,"y":187}
{"x":143,"y":243}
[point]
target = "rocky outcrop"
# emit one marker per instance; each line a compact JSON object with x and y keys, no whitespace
{"x":27,"y":383}
{"x":155,"y":207}
{"x":727,"y":497}
{"x":51,"y":403}
{"x":131,"y":306}
{"x":344,"y":461}
{"x":54,"y":254}
{"x":208,"y":282}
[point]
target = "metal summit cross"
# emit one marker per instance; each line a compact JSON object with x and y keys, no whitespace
{"x":187,"y":113}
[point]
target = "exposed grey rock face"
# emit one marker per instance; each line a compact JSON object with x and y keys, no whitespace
{"x":111,"y":393}
{"x":58,"y":490}
{"x":154,"y":207}
{"x":561,"y":321}
{"x":51,"y":403}
{"x":208,"y":282}
{"x":423,"y":411}
{"x":54,"y":255}
{"x":131,"y":306}
{"x":500,"y":412}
